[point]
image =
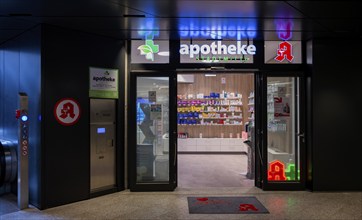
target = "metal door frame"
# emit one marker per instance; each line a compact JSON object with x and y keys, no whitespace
{"x":262,"y":161}
{"x":132,"y":126}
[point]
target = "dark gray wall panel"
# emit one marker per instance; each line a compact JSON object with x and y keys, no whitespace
{"x":67,"y":56}
{"x":337,"y":116}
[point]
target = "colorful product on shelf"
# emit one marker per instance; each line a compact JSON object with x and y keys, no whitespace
{"x":215,"y":109}
{"x":183,"y":135}
{"x":214,"y":95}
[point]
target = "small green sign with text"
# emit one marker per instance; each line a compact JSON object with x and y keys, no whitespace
{"x":103,"y":83}
{"x":103,"y":94}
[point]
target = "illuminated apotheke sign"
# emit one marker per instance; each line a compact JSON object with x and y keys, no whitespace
{"x":285,"y":49}
{"x":284,"y":29}
{"x":217,"y":32}
{"x":150,"y":50}
{"x":217,"y":49}
{"x":285,"y":52}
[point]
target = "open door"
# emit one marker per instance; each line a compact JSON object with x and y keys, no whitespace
{"x":282,"y":128}
{"x":152,"y":133}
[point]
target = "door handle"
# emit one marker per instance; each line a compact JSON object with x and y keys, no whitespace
{"x":300,"y":135}
{"x":175,"y":148}
{"x":175,"y":158}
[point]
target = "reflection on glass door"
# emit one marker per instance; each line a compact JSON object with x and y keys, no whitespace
{"x":152,"y":137}
{"x":283,"y":129}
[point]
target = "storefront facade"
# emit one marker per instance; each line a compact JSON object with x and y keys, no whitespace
{"x":278,"y":65}
{"x":62,"y":68}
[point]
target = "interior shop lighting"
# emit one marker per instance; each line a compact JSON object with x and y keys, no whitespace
{"x":208,"y":74}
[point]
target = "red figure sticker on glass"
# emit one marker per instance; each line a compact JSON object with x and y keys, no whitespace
{"x":67,"y":111}
{"x":276,"y":171}
{"x":284,"y":52}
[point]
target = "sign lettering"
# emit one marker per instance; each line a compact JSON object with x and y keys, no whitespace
{"x":216,"y":49}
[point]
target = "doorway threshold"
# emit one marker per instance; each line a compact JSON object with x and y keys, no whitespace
{"x":218,"y":190}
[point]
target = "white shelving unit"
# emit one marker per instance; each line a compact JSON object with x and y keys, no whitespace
{"x":251,"y":104}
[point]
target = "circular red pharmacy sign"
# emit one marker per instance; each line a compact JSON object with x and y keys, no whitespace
{"x":67,"y":111}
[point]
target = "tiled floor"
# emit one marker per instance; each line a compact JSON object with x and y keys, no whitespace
{"x":8,"y":204}
{"x":173,"y":205}
{"x":212,"y":170}
{"x":200,"y":175}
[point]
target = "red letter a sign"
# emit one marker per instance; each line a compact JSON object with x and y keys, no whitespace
{"x":284,"y":51}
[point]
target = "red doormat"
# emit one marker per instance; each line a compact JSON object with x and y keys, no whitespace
{"x":225,"y":205}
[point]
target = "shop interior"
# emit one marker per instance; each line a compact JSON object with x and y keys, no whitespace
{"x":153,"y":129}
{"x":215,"y":117}
{"x":215,"y":114}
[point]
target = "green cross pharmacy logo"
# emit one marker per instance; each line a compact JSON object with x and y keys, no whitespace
{"x":149,"y":49}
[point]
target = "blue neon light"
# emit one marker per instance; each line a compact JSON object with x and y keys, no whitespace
{"x":284,"y":29}
{"x":24,"y":118}
{"x":148,"y":29}
{"x":236,"y":29}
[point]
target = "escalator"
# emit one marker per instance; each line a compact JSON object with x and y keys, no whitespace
{"x":8,"y":162}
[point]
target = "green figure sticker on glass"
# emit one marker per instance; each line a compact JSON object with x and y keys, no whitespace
{"x":290,"y":172}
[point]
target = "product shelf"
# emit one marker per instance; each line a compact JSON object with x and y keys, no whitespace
{"x":213,"y":118}
{"x":180,"y":106}
{"x":221,"y":111}
{"x":209,"y":124}
{"x":231,"y":118}
{"x":202,"y":99}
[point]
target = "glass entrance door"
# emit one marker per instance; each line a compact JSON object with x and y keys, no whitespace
{"x":152,"y":146}
{"x":283,"y":137}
